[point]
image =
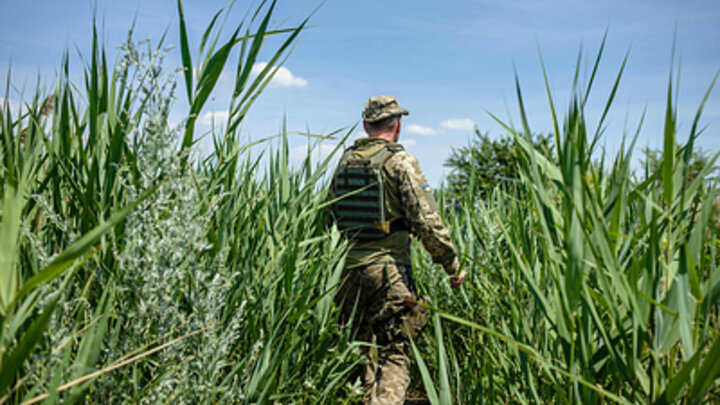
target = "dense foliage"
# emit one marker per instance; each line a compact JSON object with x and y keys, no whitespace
{"x":132,"y":271}
{"x":489,"y":162}
{"x":699,"y":160}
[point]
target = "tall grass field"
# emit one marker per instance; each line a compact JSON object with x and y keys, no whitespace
{"x":134,"y":269}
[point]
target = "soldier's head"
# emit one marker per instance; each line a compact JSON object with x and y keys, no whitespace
{"x":382,"y":117}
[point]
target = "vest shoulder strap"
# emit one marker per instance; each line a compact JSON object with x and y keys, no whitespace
{"x":376,"y":160}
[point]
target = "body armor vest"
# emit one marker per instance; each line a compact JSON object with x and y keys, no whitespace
{"x":360,"y":211}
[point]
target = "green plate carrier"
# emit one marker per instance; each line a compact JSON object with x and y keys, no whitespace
{"x":360,"y":211}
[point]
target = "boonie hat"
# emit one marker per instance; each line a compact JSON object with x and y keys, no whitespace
{"x":380,"y":107}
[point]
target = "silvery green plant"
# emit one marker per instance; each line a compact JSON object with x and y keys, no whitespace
{"x":162,"y":281}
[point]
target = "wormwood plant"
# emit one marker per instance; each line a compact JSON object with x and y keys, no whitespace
{"x":164,"y":285}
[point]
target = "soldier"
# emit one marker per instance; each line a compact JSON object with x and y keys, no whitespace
{"x":381,"y":196}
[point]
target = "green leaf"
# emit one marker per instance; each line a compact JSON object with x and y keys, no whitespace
{"x":708,"y":373}
{"x":208,"y":30}
{"x":13,"y":360}
{"x":206,"y":83}
{"x":425,"y":374}
{"x":674,"y":388}
{"x":444,"y":394}
{"x":668,"y":166}
{"x":680,"y":300}
{"x":258,"y":40}
{"x":185,"y":52}
{"x":13,"y":203}
{"x":91,"y":343}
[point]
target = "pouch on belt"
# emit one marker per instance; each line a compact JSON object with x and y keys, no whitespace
{"x":414,"y":321}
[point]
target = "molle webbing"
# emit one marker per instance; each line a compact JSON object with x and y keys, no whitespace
{"x":360,"y":211}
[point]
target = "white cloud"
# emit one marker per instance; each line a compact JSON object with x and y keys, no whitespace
{"x":217,"y":118}
{"x":460,"y":124}
{"x":283,"y":77}
{"x":408,"y":142}
{"x":419,"y":130}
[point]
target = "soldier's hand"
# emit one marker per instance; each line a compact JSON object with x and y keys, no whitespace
{"x":457,"y":279}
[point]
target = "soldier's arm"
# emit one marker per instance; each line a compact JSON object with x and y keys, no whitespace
{"x":422,"y":212}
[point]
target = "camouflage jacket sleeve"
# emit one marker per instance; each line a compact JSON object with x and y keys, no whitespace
{"x":421,"y":210}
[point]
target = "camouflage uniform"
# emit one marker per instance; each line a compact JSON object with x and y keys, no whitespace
{"x":378,"y":284}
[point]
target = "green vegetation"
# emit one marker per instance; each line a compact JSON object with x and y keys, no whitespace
{"x":489,"y":163}
{"x":131,"y":271}
{"x":587,"y":283}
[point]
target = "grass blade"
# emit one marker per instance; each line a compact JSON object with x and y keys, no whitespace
{"x":427,"y":379}
{"x":185,"y":53}
{"x":708,"y":373}
{"x":13,"y":360}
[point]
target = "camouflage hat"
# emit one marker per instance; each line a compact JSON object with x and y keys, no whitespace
{"x":381,"y":107}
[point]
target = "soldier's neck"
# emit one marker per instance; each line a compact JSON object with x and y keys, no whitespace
{"x":388,"y":136}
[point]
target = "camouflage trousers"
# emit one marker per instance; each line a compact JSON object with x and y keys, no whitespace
{"x":381,"y":296}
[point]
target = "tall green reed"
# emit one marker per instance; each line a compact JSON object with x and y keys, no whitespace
{"x":587,"y":284}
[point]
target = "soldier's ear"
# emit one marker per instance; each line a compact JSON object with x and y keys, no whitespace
{"x":365,"y":127}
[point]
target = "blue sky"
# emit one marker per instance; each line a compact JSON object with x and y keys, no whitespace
{"x":448,"y":63}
